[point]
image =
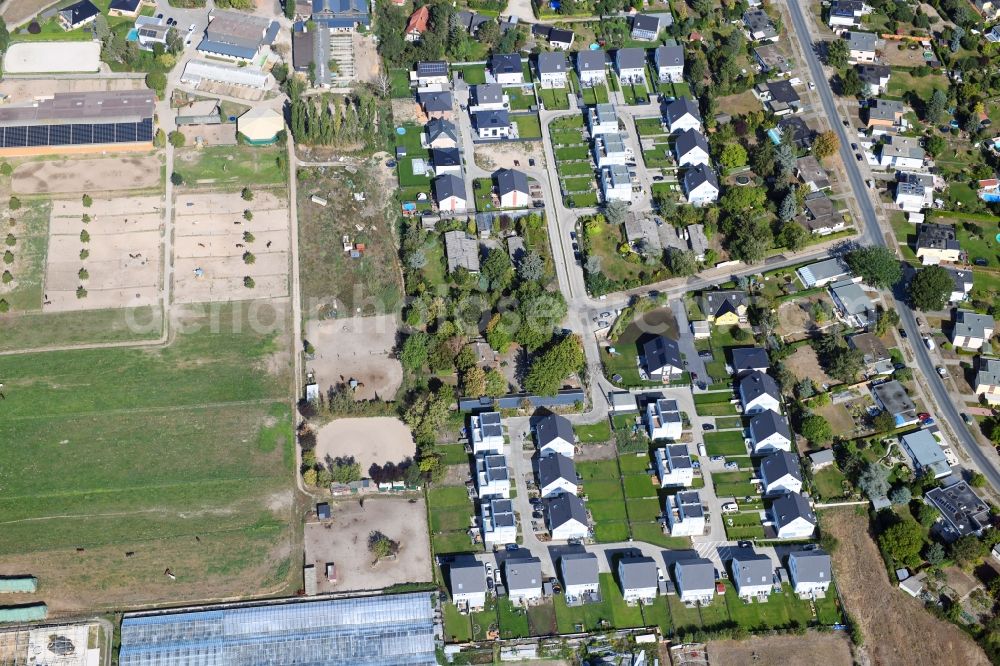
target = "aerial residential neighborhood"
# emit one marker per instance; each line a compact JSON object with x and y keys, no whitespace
{"x":407,"y":332}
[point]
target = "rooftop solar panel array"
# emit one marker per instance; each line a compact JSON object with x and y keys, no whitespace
{"x":75,"y":134}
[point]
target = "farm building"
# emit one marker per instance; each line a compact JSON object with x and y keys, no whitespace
{"x":261,"y":126}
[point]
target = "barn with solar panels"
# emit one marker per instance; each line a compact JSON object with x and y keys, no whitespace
{"x":78,"y":122}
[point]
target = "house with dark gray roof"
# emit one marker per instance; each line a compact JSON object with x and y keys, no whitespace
{"x":811,"y":572}
{"x":753,"y":575}
{"x":487,"y":97}
{"x":987,"y":380}
{"x":78,"y":15}
{"x":748,"y":359}
{"x":780,"y":473}
{"x":580,"y":576}
{"x":861,"y":46}
{"x":524,"y":579}
{"x":631,"y":65}
{"x":639,"y":579}
{"x":661,"y":358}
{"x":430,"y":72}
{"x":591,"y":66}
{"x":506,"y":68}
{"x":446,"y":160}
{"x":725,"y":306}
{"x":436,"y":103}
{"x":875,"y":78}
{"x":759,"y":27}
{"x":701,"y":185}
{"x":645,"y":27}
{"x":492,"y":124}
{"x":551,"y":69}
{"x":691,"y":148}
{"x":769,"y":432}
{"x":972,"y":330}
{"x":512,"y":188}
{"x":468,"y":584}
{"x":669,"y":62}
{"x":793,"y":517}
{"x":892,"y":397}
{"x":682,"y":114}
{"x":962,"y":511}
{"x":695,"y":580}
{"x":557,"y":475}
{"x":554,"y":435}
{"x":237,"y":36}
{"x":759,"y":392}
{"x":449,"y":193}
{"x":441,"y":133}
{"x":567,"y":517}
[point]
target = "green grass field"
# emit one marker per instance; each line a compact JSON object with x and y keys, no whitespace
{"x":528,"y":126}
{"x":725,"y":443}
{"x":450,"y":510}
{"x":30,"y":231}
{"x":572,"y":153}
{"x":231,"y":165}
{"x":575,"y":169}
{"x":142,"y":450}
{"x":554,"y":98}
{"x":33,"y":330}
{"x":593,"y":432}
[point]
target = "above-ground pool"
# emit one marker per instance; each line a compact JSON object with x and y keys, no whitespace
{"x":990,"y":197}
{"x":775,"y":135}
{"x":409,"y":206}
{"x":132,"y":36}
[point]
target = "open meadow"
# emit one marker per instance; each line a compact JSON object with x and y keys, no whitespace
{"x":119,"y":464}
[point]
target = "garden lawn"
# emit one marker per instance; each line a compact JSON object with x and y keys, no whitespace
{"x":572,"y":153}
{"x":640,"y":485}
{"x":513,"y":620}
{"x":457,"y":627}
{"x":399,"y":80}
{"x":644,"y":510}
{"x":554,"y":98}
{"x":724,"y":422}
{"x":725,"y":443}
{"x":594,"y":432}
{"x":588,"y":617}
{"x":651,"y":532}
{"x":575,"y":169}
{"x":622,"y":615}
{"x":409,"y":179}
{"x":829,"y":482}
{"x":472,"y":74}
{"x":567,"y":137}
{"x":581,"y":184}
{"x":718,"y":409}
{"x":450,"y":510}
{"x":611,"y":532}
{"x":528,"y":126}
{"x":597,"y":94}
{"x":518,"y":100}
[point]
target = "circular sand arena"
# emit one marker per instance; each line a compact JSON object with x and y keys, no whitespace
{"x":369,"y":440}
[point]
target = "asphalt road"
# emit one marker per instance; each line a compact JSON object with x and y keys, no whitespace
{"x":985,"y":459}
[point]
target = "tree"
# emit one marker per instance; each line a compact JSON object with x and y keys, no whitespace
{"x":550,"y":368}
{"x":248,"y":282}
{"x":7,"y":277}
{"x":8,"y":257}
{"x":176,"y":179}
{"x":474,"y":382}
{"x":416,"y":259}
{"x":883,"y":422}
{"x":498,"y":334}
{"x":837,"y":53}
{"x":248,"y":215}
{"x":615,"y":212}
{"x":874,"y":481}
{"x":345,"y":470}
{"x":4,"y":36}
{"x":157,"y":81}
{"x":826,"y":144}
{"x":84,"y":236}
{"x":850,"y":83}
{"x":414,"y":352}
{"x":876,"y":265}
{"x":805,"y":389}
{"x":247,"y":194}
{"x":742,"y":200}
{"x":936,"y":106}
{"x":14,"y":203}
{"x":733,"y":156}
{"x":934,"y":554}
{"x":249,"y":258}
{"x":532,"y":267}
{"x":498,"y":270}
{"x":900,"y":495}
{"x":381,"y":546}
{"x":752,"y":240}
{"x":681,"y":262}
{"x":176,"y":139}
{"x":4,"y":305}
{"x":496,"y":383}
{"x":902,"y":542}
{"x":816,"y":429}
{"x":488,"y":33}
{"x":792,"y":235}
{"x":977,"y":480}
{"x":83,"y":274}
{"x":969,"y":549}
{"x":784,"y":158}
{"x":789,"y":206}
{"x":931,"y":288}
{"x":927,"y":514}
{"x":87,"y":201}
{"x":886,"y":319}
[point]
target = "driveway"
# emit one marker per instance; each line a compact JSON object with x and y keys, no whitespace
{"x":685,"y":340}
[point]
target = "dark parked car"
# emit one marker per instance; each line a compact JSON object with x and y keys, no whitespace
{"x":966,"y":418}
{"x":705,"y":353}
{"x":854,"y":146}
{"x":707,"y":426}
{"x":657,"y":178}
{"x":979,"y":261}
{"x":847,"y":123}
{"x":857,"y":156}
{"x":531,"y":161}
{"x":902,"y":333}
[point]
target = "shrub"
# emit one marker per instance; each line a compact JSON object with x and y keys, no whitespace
{"x":83,"y":274}
{"x":157,"y":81}
{"x":87,"y":201}
{"x":247,"y":215}
{"x":248,"y":237}
{"x":84,"y":253}
{"x":176,"y":139}
{"x":81,"y":292}
{"x":8,"y":257}
{"x":11,"y":241}
{"x":4,"y":305}
{"x":14,"y":204}
{"x":7,"y":277}
{"x":84,"y":236}
{"x":248,"y":258}
{"x":248,"y":282}
{"x":247,"y":194}
{"x":6,"y":169}
{"x":176,"y":179}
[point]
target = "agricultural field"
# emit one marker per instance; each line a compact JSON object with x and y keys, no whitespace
{"x":180,"y":455}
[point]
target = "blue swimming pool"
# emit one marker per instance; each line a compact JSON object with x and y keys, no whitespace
{"x":990,"y":197}
{"x":775,"y":135}
{"x":409,"y":206}
{"x":132,"y":36}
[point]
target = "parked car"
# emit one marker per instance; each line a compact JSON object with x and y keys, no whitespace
{"x":967,"y":419}
{"x":731,"y":465}
{"x":512,"y":547}
{"x":854,"y":146}
{"x":847,"y":123}
{"x":705,"y":354}
{"x":857,"y":156}
{"x":517,"y":163}
{"x":929,"y":342}
{"x":902,"y":333}
{"x":899,"y":366}
{"x":605,"y":314}
{"x":603,"y":324}
{"x":191,"y":27}
{"x":730,"y":507}
{"x":941,"y":371}
{"x":923,"y":416}
{"x":720,"y":459}
{"x":929,"y":422}
{"x":657,"y":178}
{"x":694,"y":375}
{"x":531,"y":161}
{"x":980,"y":261}
{"x":572,"y":235}
{"x":707,"y":426}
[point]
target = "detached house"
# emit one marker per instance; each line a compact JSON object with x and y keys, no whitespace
{"x":748,"y":359}
{"x":753,"y":576}
{"x":852,"y":303}
{"x":847,"y":14}
{"x":492,"y":124}
{"x":695,"y":580}
{"x":937,"y":243}
{"x":875,"y":78}
{"x":446,"y":160}
{"x":963,"y":284}
{"x":557,"y":475}
{"x":691,"y":148}
{"x":436,"y":103}
{"x":811,"y":572}
{"x":769,"y":432}
{"x":669,"y":63}
{"x":512,"y":188}
{"x":861,"y":46}
{"x":725,"y":307}
{"x":780,"y":473}
{"x":430,"y":73}
{"x":972,"y":330}
{"x":78,"y":15}
{"x":682,"y":114}
{"x":551,"y":70}
{"x":793,"y":518}
{"x":914,"y":192}
{"x":901,"y":152}
{"x":963,"y":512}
{"x":524,"y":579}
{"x":661,"y":358}
{"x":685,"y":515}
{"x":701,"y":186}
{"x":440,"y":133}
{"x":638,"y":578}
{"x":759,"y":27}
{"x":893,"y":399}
{"x":567,"y":517}
{"x":417,"y":24}
{"x":590,"y":67}
{"x":449,"y":192}
{"x":555,"y":435}
{"x":663,"y":420}
{"x":631,"y":65}
{"x":468,"y":585}
{"x":987,"y":381}
{"x":887,"y":114}
{"x":488,"y":97}
{"x":645,"y":27}
{"x":506,"y":69}
{"x":580,"y":575}
{"x":875,"y":355}
{"x":759,"y":392}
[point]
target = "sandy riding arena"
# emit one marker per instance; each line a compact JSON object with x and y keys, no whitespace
{"x":370,"y":441}
{"x":212,"y":239}
{"x":102,"y":175}
{"x":356,"y":348}
{"x":121,"y":259}
{"x":343,"y":540}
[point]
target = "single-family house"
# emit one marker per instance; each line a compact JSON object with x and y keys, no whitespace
{"x":669,"y":63}
{"x":901,"y":153}
{"x":753,"y":575}
{"x":769,"y":432}
{"x":602,"y":119}
{"x":759,"y":392}
{"x":557,"y":474}
{"x":488,"y":97}
{"x":912,"y":195}
{"x":823,"y":272}
{"x":779,"y":97}
{"x":551,"y":69}
{"x":580,"y":575}
{"x":430,"y":73}
{"x":645,"y":27}
{"x":512,"y":188}
{"x":663,"y":420}
{"x":725,"y":307}
{"x":466,"y":20}
{"x":847,"y":14}
{"x":811,"y":173}
{"x":701,"y":186}
{"x":127,"y":8}
{"x":661,"y":358}
{"x":567,"y":517}
{"x":993,"y":35}
{"x":962,"y":511}
{"x":937,"y":243}
{"x":987,"y":380}
{"x":436,"y":103}
{"x":486,"y":428}
{"x":591,"y":66}
{"x":554,"y":434}
{"x":440,"y":133}
{"x":673,"y":465}
{"x":78,"y":15}
{"x":972,"y":330}
{"x":926,"y":453}
{"x":962,"y":284}
{"x":852,"y":303}
{"x":792,"y":516}
{"x":449,"y":192}
{"x":638,"y":579}
{"x":874,"y":78}
{"x":691,"y":148}
{"x":462,"y":250}
{"x":893,"y":399}
{"x":631,"y":65}
{"x":819,"y":217}
{"x":821,"y":459}
{"x":492,"y":124}
{"x":861,"y":46}
{"x":887,"y":114}
{"x":561,"y":39}
{"x":811,"y":572}
{"x":506,"y":69}
{"x":417,"y":24}
{"x":748,"y":359}
{"x":780,"y":473}
{"x":616,"y":183}
{"x":685,"y":515}
{"x":759,"y":26}
{"x":498,"y":524}
{"x":492,"y":476}
{"x":874,"y":353}
{"x":523,"y":576}
{"x":446,"y":160}
{"x":610,"y":149}
{"x":468,"y":584}
{"x":695,"y":580}
{"x":771,"y":60}
{"x":798,"y":130}
{"x":682,"y":114}
{"x":151,"y":31}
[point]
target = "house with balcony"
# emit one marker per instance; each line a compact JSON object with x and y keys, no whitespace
{"x":685,"y":515}
{"x":663,"y":420}
{"x":780,"y":473}
{"x":673,"y":466}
